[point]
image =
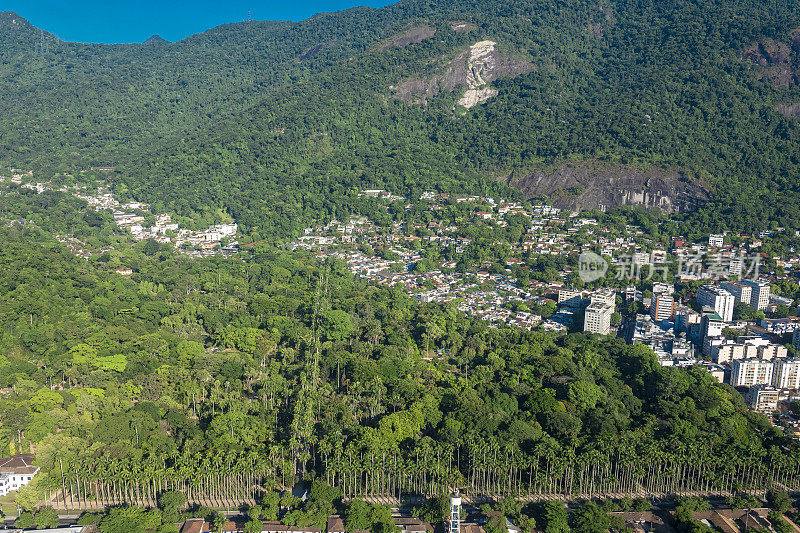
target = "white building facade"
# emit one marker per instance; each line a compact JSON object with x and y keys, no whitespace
{"x":597,"y":318}
{"x":759,"y":296}
{"x":718,"y":299}
{"x":751,"y":372}
{"x":16,"y":472}
{"x":786,"y":374}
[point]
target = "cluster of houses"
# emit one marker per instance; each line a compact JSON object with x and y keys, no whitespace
{"x":219,"y":238}
{"x":17,"y":176}
{"x":80,"y":248}
{"x":133,"y":216}
{"x":700,"y":331}
{"x":749,"y":355}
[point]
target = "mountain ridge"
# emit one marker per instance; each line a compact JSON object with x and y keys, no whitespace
{"x":306,"y":107}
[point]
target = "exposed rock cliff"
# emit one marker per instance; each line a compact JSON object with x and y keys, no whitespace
{"x":788,"y":110}
{"x":471,"y":70}
{"x":479,"y":63}
{"x":594,"y":186}
{"x":775,"y":58}
{"x":413,"y":36}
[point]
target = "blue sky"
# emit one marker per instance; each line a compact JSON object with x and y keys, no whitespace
{"x":125,"y":21}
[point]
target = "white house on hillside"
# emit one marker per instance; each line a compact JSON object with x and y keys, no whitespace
{"x":16,"y":472}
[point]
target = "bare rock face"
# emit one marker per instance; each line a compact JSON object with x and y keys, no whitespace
{"x":412,"y":36}
{"x":479,"y":63}
{"x":473,"y":97}
{"x":459,"y":26}
{"x":776,"y":59}
{"x":593,"y":186}
{"x":788,"y":110}
{"x":471,"y":70}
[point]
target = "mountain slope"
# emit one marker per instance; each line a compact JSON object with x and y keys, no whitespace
{"x":278,"y":122}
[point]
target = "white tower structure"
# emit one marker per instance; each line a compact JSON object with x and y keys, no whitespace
{"x":455,"y":513}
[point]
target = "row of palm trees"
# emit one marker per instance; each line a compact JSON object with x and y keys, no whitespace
{"x":479,"y":470}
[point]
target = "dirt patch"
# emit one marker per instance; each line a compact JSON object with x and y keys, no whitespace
{"x":788,"y":110}
{"x":413,"y":36}
{"x":593,"y":185}
{"x":595,"y":30}
{"x":459,"y":26}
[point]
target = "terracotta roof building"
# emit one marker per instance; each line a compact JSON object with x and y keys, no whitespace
{"x":16,"y":472}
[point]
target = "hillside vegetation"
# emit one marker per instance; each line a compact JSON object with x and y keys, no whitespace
{"x":225,"y":379}
{"x":278,"y":123}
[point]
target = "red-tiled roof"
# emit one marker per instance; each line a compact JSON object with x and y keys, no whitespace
{"x":193,"y":525}
{"x":19,"y":464}
{"x":21,"y":460}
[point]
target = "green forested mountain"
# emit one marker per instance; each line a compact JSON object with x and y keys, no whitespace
{"x":225,"y":379}
{"x":278,"y":123}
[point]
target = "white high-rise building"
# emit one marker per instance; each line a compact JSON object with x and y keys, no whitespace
{"x":570,"y":298}
{"x":711,"y":324}
{"x":759,"y":298}
{"x":597,"y":318}
{"x":719,"y":299}
{"x":735,"y":266}
{"x":786,"y":374}
{"x":608,"y":296}
{"x":741,"y":291}
{"x":751,"y":372}
{"x":659,"y":288}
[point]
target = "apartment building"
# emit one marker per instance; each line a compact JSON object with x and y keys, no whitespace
{"x":718,"y":299}
{"x":786,"y":374}
{"x":759,"y":296}
{"x":608,"y":296}
{"x":570,"y":298}
{"x":751,"y":372}
{"x":662,"y":307}
{"x":741,"y":291}
{"x":597,"y":318}
{"x":723,"y":350}
{"x":716,"y":240}
{"x":763,"y":398}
